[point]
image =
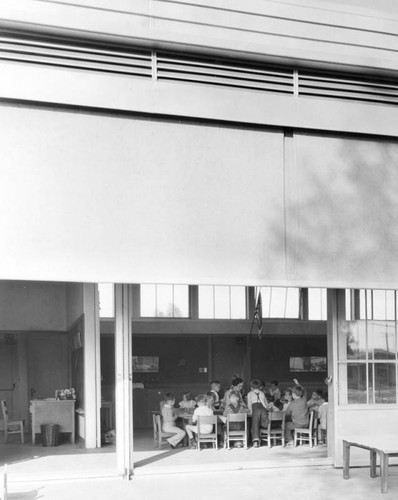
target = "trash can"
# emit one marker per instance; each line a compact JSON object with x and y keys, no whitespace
{"x":49,"y":434}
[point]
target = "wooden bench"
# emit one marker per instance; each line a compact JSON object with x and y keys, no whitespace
{"x":384,"y":446}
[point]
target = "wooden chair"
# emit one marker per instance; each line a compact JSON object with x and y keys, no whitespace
{"x":159,"y":436}
{"x":207,"y":438}
{"x":235,"y":435}
{"x":269,"y":434}
{"x":11,"y":426}
{"x":308,"y":434}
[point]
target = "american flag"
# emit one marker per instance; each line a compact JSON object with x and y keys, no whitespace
{"x":258,"y":315}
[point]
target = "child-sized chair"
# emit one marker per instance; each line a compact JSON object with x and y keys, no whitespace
{"x":11,"y":426}
{"x":235,"y":435}
{"x":272,"y":434}
{"x":209,"y":437}
{"x":159,"y":436}
{"x":307,"y":435}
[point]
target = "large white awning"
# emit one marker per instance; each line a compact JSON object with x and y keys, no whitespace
{"x":94,"y":198}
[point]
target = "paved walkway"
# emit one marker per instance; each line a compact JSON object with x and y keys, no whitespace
{"x":302,"y":483}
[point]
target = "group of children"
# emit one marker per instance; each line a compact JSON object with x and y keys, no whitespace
{"x":257,"y":404}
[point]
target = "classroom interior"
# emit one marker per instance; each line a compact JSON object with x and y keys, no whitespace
{"x":189,"y":335}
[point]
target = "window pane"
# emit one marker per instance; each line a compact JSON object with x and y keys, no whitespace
{"x":238,"y":302}
{"x":352,"y":340}
{"x":148,"y":300}
{"x":266,"y":300}
{"x":164,"y":306}
{"x":106,"y":300}
{"x":356,"y":383}
{"x":348,"y":315}
{"x":206,"y":302}
{"x":317,"y":304}
{"x":384,"y":388}
{"x":379,"y":304}
{"x":390,"y":305}
{"x":369,"y":305}
{"x":278,"y":302}
{"x":292,"y":303}
{"x":181,"y":301}
{"x":362,"y":304}
{"x":381,"y":339}
{"x":221,"y":302}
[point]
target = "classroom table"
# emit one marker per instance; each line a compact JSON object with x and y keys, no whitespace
{"x":384,"y":446}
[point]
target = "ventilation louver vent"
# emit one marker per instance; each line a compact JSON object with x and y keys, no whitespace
{"x":233,"y":74}
{"x":227,"y":73}
{"x":349,"y":87}
{"x":74,"y":56}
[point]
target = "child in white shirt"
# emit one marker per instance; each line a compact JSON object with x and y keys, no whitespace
{"x":202,"y":409}
{"x":169,"y":416}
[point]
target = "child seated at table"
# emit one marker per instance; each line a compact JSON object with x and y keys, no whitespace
{"x":187,"y":402}
{"x":169,"y":417}
{"x":201,"y":410}
{"x":317,"y":398}
{"x":298,"y":411}
{"x":233,"y":407}
{"x":210,"y":401}
{"x":215,"y":388}
{"x":287,"y":398}
{"x":322,"y":413}
{"x":274,"y":391}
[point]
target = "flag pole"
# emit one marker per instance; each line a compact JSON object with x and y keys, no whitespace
{"x":251,"y":329}
{"x":258,"y":312}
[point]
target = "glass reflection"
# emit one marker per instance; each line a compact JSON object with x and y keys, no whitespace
{"x":356,"y":383}
{"x":384,"y":383}
{"x":381,"y":339}
{"x":352,"y":334}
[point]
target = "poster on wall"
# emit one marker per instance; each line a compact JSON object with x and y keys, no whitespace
{"x":145,"y":364}
{"x":308,"y":364}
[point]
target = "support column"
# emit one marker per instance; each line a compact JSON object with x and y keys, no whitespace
{"x":336,"y":311}
{"x":92,"y":367}
{"x":124,"y":379}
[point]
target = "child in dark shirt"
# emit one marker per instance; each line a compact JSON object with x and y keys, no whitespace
{"x":233,"y":407}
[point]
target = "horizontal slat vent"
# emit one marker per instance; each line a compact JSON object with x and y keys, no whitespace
{"x":225,"y":74}
{"x":74,"y":56}
{"x":351,"y":87}
{"x":192,"y":69}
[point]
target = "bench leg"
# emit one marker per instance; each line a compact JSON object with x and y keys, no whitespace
{"x":346,"y":460}
{"x":373,"y":457}
{"x":384,"y":472}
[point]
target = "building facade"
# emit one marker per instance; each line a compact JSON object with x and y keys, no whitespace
{"x":205,"y":144}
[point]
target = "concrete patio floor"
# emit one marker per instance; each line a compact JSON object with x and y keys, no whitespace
{"x":31,"y":462}
{"x":302,"y":483}
{"x":71,"y":472}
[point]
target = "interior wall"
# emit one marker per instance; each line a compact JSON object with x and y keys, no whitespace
{"x":270,"y":360}
{"x":183,"y":358}
{"x":32,"y":306}
{"x":74,"y":303}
